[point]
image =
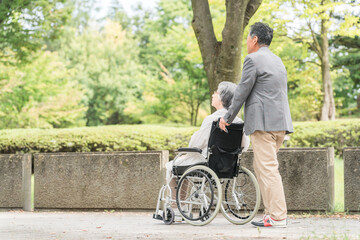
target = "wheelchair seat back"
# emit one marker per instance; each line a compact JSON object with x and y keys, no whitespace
{"x":224,"y":149}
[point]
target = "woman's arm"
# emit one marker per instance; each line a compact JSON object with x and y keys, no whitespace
{"x":201,"y":137}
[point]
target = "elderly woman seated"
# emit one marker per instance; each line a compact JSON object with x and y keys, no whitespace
{"x":221,"y":100}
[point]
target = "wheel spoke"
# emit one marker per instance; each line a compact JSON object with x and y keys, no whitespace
{"x":198,"y":195}
{"x":241,"y":198}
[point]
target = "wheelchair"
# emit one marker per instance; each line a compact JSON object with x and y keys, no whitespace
{"x":220,"y":183}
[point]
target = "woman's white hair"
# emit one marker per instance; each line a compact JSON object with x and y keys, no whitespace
{"x":226,"y":91}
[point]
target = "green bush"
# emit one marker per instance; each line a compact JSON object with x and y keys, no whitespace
{"x":95,"y":139}
{"x":339,"y":134}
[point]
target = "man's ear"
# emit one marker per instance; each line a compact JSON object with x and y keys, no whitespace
{"x":255,"y":40}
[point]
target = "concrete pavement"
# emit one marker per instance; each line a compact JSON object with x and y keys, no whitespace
{"x":140,"y":225}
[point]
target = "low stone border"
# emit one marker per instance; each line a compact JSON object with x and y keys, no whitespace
{"x":131,"y":180}
{"x":351,"y":179}
{"x":308,"y":177}
{"x":15,"y":181}
{"x":115,"y":180}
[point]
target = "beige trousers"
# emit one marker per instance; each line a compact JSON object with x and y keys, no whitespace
{"x":265,"y":146}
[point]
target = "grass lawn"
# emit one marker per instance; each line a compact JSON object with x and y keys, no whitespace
{"x":339,"y":185}
{"x":32,"y":191}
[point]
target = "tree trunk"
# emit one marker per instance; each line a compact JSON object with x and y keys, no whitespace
{"x":222,"y":60}
{"x":191,"y":115}
{"x":196,"y":112}
{"x":328,"y":108}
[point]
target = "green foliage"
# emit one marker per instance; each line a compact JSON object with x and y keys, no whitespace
{"x":59,"y":69}
{"x":168,"y":50}
{"x":347,"y":83}
{"x":338,"y":134}
{"x":304,"y":85}
{"x":39,"y":94}
{"x":106,"y":64}
{"x":304,"y":89}
{"x":297,"y":41}
{"x":26,"y":25}
{"x":95,"y":139}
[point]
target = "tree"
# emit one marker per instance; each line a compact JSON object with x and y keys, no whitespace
{"x":303,"y":76}
{"x":348,"y":57}
{"x":39,"y":94}
{"x":25,"y":25}
{"x":190,"y":93}
{"x":222,"y":59}
{"x":317,"y":20}
{"x":169,"y":51}
{"x":106,"y":65}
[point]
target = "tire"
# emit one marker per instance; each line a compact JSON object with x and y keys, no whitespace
{"x":198,"y":195}
{"x":241,"y":201}
{"x":169,"y":217}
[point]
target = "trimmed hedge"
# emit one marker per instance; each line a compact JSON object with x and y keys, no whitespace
{"x":95,"y":139}
{"x":339,"y":134}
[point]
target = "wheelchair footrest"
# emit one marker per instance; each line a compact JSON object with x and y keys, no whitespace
{"x":158,"y":217}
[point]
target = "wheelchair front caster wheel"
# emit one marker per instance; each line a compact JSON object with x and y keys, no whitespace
{"x":207,"y":216}
{"x":169,"y":216}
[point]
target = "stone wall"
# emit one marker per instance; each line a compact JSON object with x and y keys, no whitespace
{"x":308,"y":177}
{"x":118,"y":180}
{"x":352,"y":179}
{"x":131,"y":180}
{"x":15,"y":181}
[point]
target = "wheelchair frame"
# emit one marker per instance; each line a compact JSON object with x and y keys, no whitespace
{"x":205,"y":197}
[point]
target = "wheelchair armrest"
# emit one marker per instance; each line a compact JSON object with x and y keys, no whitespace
{"x":198,"y":150}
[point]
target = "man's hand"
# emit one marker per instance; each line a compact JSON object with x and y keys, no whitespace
{"x":223,"y":124}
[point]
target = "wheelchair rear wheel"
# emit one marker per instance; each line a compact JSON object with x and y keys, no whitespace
{"x":198,"y":195}
{"x":241,"y":197}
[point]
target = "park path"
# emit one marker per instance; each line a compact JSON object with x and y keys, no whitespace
{"x":20,"y":225}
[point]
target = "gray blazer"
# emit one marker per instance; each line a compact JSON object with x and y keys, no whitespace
{"x":263,"y":89}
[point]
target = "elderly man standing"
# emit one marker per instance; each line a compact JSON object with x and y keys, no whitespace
{"x":263,"y":89}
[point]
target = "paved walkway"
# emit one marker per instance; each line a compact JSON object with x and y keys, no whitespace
{"x":140,"y":225}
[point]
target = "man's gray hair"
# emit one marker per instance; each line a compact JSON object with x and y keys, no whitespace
{"x":226,"y":91}
{"x":263,"y":32}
